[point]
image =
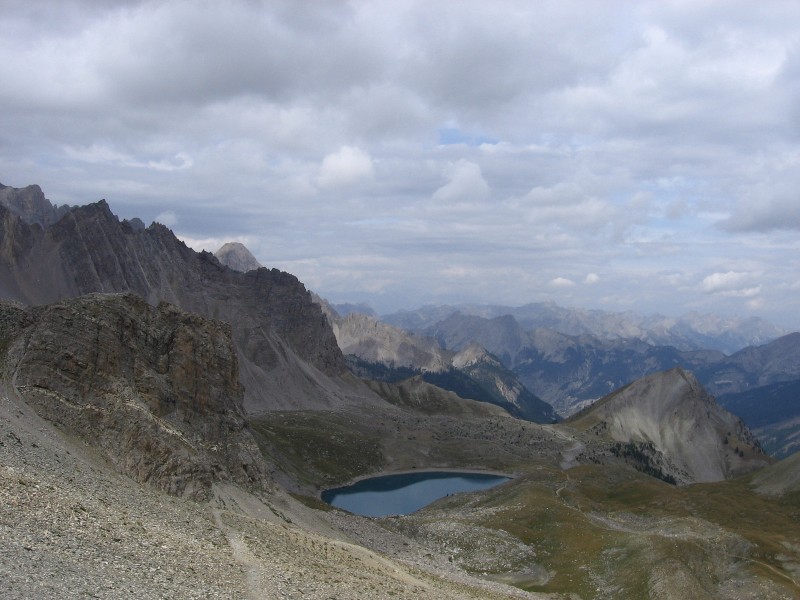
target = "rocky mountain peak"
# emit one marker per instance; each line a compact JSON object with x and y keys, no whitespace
{"x":472,"y":354}
{"x":30,"y":205}
{"x":693,"y":437}
{"x":236,"y":256}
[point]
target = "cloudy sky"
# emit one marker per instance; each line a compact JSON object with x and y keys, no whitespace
{"x":614,"y":155}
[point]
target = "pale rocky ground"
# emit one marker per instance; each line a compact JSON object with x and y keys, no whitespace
{"x":70,"y":527}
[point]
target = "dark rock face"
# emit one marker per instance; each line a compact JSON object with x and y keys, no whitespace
{"x":154,"y":389}
{"x":278,"y":330}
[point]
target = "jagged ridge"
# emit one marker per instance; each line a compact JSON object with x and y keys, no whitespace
{"x":285,"y":345}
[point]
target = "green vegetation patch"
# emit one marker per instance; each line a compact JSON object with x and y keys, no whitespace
{"x":613,"y":532}
{"x":318,"y":448}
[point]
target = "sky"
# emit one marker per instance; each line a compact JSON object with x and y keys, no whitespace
{"x":618,"y":155}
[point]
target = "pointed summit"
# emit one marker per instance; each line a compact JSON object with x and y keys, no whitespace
{"x":237,"y":257}
{"x":691,"y":437}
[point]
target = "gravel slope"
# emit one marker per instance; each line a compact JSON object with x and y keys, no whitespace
{"x":70,"y":527}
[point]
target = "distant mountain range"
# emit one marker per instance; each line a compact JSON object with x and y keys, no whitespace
{"x":570,"y":371}
{"x":383,"y":352}
{"x":692,"y":331}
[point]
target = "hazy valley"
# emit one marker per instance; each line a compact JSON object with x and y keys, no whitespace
{"x":167,"y":423}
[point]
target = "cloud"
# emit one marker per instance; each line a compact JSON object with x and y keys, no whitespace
{"x":102,"y":154}
{"x":562,"y":282}
{"x":776,"y":214}
{"x":731,"y":284}
{"x":509,"y":144}
{"x":346,"y":166}
{"x":466,"y":184}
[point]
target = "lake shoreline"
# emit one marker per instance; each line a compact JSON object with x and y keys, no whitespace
{"x":386,"y":473}
{"x":403,"y":493}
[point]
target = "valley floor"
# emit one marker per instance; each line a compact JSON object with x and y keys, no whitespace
{"x":71,"y":527}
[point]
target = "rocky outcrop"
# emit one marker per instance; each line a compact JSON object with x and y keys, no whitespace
{"x":669,"y":420}
{"x":154,"y":389}
{"x":236,"y":256}
{"x":285,"y":345}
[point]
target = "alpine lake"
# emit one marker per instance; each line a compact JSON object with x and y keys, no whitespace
{"x":404,"y":493}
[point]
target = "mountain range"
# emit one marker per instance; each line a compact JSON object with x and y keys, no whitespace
{"x":692,"y":331}
{"x":383,"y":352}
{"x":572,"y":371}
{"x":167,"y":423}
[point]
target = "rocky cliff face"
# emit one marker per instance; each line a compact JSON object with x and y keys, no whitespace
{"x":670,"y":417}
{"x":285,"y":345}
{"x":154,"y":389}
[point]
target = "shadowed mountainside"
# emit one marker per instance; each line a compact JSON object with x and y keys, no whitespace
{"x":772,"y":412}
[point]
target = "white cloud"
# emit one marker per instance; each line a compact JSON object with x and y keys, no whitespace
{"x":345,"y":167}
{"x":562,"y":282}
{"x":641,"y":141}
{"x":103,"y":154}
{"x":466,"y":184}
{"x":730,"y":283}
